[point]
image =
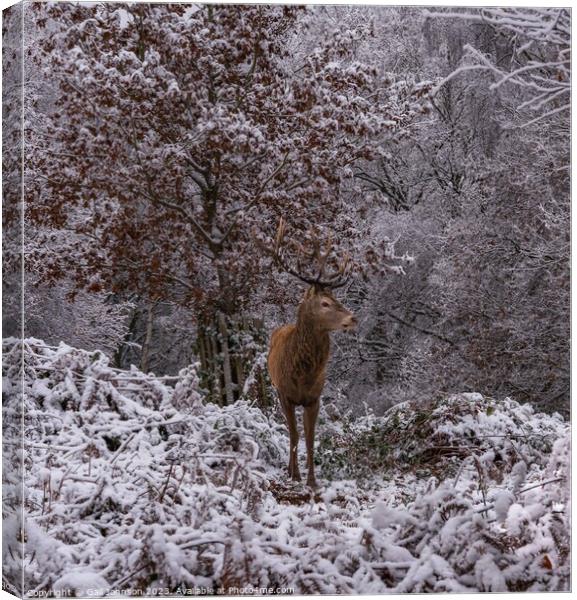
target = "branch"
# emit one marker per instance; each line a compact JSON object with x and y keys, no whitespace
{"x":421,"y":329}
{"x":190,"y":218}
{"x":256,"y":198}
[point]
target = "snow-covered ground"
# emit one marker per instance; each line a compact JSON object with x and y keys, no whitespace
{"x":135,"y":485}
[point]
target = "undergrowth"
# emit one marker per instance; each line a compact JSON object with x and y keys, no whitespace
{"x":132,"y":485}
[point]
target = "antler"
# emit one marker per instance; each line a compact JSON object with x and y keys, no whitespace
{"x":334,"y":281}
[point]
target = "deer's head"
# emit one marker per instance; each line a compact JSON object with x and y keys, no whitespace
{"x":318,"y":306}
{"x":321,"y":307}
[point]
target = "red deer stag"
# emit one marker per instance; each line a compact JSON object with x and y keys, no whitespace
{"x":299,"y":353}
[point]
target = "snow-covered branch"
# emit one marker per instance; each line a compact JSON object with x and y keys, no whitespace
{"x":540,"y":64}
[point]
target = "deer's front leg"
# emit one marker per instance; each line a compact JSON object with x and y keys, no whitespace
{"x":310,"y":418}
{"x":293,"y":466}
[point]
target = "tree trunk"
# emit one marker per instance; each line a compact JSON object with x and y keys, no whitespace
{"x":225,"y":361}
{"x":121,"y":351}
{"x":214,"y":366}
{"x":239,"y":367}
{"x":226,"y":366}
{"x":145,"y":359}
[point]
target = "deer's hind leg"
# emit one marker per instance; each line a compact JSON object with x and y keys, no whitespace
{"x":309,"y":419}
{"x":293,"y":466}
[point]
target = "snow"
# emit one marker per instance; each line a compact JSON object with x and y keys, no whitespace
{"x":503,"y":502}
{"x":82,"y":583}
{"x":153,"y":488}
{"x":489,"y":576}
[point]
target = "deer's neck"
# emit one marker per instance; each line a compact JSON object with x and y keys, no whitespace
{"x":312,"y":344}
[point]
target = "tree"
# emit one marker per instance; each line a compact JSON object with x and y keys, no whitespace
{"x":169,"y":140}
{"x":12,"y":107}
{"x":179,"y":137}
{"x":479,"y":194}
{"x":504,"y":277}
{"x":537,"y":62}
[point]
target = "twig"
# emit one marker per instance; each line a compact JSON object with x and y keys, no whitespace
{"x":463,"y":463}
{"x":122,"y":447}
{"x":532,"y":487}
{"x":421,"y":329}
{"x":117,"y":583}
{"x":201,"y":543}
{"x":161,"y":497}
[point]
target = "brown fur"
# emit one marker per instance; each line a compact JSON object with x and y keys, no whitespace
{"x":297,"y":363}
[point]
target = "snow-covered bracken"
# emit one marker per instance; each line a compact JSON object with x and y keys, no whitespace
{"x":131,"y":484}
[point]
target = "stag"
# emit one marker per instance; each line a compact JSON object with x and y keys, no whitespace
{"x":299,"y":353}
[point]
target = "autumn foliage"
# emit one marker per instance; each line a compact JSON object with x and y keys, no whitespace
{"x":179,"y":135}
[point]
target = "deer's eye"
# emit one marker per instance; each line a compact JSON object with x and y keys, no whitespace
{"x":325,"y":304}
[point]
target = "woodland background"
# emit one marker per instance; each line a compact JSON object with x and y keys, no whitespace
{"x":164,"y":142}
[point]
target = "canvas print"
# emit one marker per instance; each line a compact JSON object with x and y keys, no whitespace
{"x":286,"y":299}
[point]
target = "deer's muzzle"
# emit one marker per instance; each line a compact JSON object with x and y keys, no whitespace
{"x":349,"y":323}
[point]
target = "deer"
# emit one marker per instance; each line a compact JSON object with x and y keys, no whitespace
{"x":299,"y":352}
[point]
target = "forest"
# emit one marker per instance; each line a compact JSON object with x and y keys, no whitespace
{"x":152,"y":154}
